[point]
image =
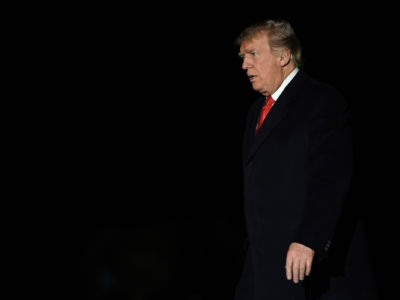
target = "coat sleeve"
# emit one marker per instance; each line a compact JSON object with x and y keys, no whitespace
{"x":329,"y":169}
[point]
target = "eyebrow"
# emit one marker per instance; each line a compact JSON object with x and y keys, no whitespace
{"x":241,"y":55}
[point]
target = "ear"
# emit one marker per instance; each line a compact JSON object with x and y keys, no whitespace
{"x":285,"y":57}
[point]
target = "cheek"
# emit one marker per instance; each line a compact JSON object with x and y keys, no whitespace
{"x":270,"y":72}
{"x":267,"y":66}
{"x":266,"y":75}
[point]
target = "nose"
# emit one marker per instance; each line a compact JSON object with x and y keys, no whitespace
{"x":245,"y":64}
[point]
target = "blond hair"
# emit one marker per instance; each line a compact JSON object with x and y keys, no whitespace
{"x":280,"y":35}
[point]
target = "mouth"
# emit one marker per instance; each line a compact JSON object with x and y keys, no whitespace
{"x":252,"y":77}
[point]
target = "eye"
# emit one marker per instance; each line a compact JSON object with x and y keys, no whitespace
{"x":253,"y":53}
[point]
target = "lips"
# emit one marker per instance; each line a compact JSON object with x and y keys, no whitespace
{"x":252,"y":77}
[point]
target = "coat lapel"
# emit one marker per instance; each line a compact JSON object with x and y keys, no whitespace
{"x":248,"y":138}
{"x":275,"y":115}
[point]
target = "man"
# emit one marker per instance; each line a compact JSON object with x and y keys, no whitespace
{"x":305,"y":241}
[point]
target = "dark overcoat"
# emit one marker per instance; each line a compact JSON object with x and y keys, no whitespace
{"x":298,"y":173}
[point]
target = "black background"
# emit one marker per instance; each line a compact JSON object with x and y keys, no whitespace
{"x":124,"y":139}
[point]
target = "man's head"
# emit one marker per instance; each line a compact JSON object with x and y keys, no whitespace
{"x":270,"y":51}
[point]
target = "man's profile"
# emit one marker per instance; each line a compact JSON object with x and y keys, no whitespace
{"x":305,"y":241}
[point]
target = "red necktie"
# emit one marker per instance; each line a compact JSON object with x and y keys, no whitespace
{"x":264,"y":111}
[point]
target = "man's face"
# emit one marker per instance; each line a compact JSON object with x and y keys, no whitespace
{"x":263,"y":69}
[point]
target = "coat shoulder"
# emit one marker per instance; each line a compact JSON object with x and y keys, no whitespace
{"x":322,"y":95}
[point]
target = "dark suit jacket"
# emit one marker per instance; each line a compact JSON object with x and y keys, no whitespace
{"x":297,"y":180}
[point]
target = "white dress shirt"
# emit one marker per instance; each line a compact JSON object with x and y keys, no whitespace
{"x":285,"y":82}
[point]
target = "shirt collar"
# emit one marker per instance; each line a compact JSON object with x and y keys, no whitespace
{"x":285,"y":82}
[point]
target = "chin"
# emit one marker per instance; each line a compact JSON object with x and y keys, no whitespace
{"x":262,"y":92}
{"x":257,"y":89}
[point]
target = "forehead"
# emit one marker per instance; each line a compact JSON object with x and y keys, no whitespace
{"x":257,"y":41}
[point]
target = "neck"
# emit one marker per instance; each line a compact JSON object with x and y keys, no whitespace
{"x":286,"y":70}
